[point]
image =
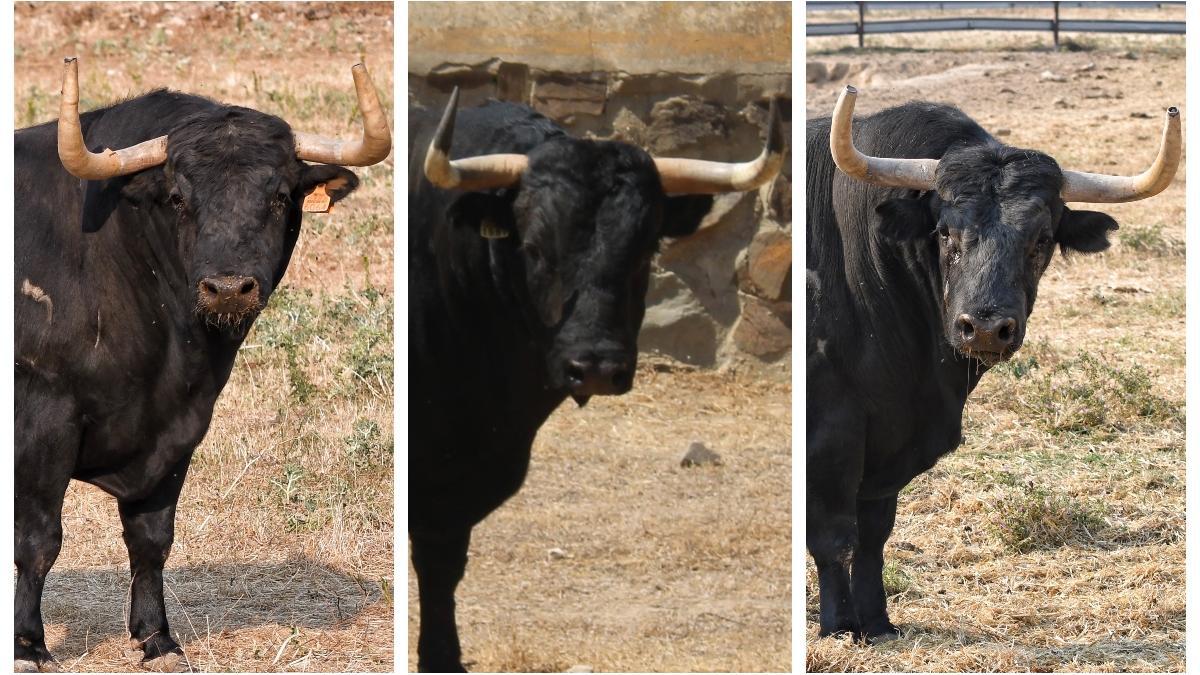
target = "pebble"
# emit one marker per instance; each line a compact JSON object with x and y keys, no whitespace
{"x":699,"y":455}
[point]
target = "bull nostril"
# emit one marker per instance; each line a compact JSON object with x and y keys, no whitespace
{"x":966,"y":327}
{"x":576,"y":371}
{"x":249,"y":286}
{"x":1007,"y":328}
{"x":211,"y":287}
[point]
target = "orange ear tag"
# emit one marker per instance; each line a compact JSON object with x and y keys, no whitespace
{"x":317,"y":201}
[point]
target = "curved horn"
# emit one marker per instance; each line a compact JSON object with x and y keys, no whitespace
{"x":376,"y":141}
{"x":696,"y":176}
{"x":1099,"y":188}
{"x":482,"y":172}
{"x":97,"y":165}
{"x":915,"y":174}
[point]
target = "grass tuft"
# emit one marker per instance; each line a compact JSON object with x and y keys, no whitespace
{"x":1151,"y":239}
{"x":1034,"y":518}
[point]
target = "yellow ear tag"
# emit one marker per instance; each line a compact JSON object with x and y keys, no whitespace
{"x":489,"y":230}
{"x":317,"y":201}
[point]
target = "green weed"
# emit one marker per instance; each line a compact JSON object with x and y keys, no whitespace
{"x":1150,"y":239}
{"x":1035,"y":519}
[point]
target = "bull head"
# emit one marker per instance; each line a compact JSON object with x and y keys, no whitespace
{"x":371,"y":148}
{"x":678,"y":176}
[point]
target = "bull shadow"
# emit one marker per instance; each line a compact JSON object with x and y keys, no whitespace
{"x":205,"y":600}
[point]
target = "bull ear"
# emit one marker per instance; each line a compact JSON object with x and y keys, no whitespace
{"x":339,"y":181}
{"x":488,"y":214}
{"x":1084,"y":231}
{"x":904,"y":218}
{"x":682,"y":214}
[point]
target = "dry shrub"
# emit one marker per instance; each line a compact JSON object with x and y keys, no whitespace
{"x":1035,"y":518}
{"x":1086,"y":396}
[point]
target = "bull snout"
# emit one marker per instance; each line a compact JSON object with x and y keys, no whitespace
{"x":987,"y":336}
{"x":598,"y":376}
{"x":229,"y":295}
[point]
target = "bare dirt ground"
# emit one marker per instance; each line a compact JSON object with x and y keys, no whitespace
{"x":284,"y":536}
{"x":615,"y":557}
{"x":1053,"y":539}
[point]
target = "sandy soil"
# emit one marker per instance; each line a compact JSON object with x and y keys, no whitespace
{"x":615,"y":557}
{"x":1108,"y":598}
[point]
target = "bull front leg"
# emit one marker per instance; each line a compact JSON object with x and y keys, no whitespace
{"x":44,"y":457}
{"x":875,"y":520}
{"x":149,"y":532}
{"x":440,"y":559}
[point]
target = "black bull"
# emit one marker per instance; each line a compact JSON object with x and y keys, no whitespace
{"x":133,"y":293}
{"x":525,"y":288}
{"x":921,"y":274}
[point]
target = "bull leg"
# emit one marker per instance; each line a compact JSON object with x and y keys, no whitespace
{"x":440,"y":560}
{"x":149,"y":531}
{"x":44,"y":457}
{"x":831,"y":540}
{"x":834,"y":454}
{"x":38,"y":515}
{"x":875,"y":520}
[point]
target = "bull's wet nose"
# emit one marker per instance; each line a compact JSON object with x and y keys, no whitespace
{"x":229,"y":294}
{"x":598,"y":377}
{"x":993,"y":334}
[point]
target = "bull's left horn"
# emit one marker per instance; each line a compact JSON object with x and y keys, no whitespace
{"x":482,"y":172}
{"x":1101,"y":189}
{"x":914,"y":174}
{"x":73,"y":152}
{"x":374,"y":145}
{"x":696,"y":176}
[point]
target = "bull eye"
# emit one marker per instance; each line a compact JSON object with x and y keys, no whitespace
{"x":535,"y":254}
{"x":176,"y":200}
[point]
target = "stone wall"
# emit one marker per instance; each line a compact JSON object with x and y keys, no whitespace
{"x":678,"y":79}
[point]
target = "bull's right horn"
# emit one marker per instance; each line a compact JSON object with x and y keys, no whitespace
{"x":97,"y":165}
{"x":482,"y":172}
{"x":915,"y":174}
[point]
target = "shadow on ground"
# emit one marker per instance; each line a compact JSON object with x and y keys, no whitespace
{"x":206,"y":600}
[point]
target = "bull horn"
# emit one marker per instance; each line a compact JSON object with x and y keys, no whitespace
{"x":696,"y":176}
{"x":482,"y":172}
{"x":376,"y":141}
{"x":1101,"y":189}
{"x":914,"y":174}
{"x":97,"y":165}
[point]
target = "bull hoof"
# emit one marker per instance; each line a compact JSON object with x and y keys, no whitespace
{"x":167,"y":663}
{"x":448,"y":667}
{"x":28,"y":666}
{"x":881,"y":634}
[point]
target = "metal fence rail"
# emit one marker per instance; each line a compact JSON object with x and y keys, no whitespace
{"x":1056,"y":25}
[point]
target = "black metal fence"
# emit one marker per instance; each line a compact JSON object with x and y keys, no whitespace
{"x":1054,"y":25}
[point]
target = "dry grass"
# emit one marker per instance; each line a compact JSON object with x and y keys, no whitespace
{"x":665,"y":568}
{"x":1054,"y":538}
{"x":284,"y":538}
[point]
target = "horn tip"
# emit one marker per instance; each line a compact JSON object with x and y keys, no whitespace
{"x":1172,"y":112}
{"x":70,"y":59}
{"x":851,"y":89}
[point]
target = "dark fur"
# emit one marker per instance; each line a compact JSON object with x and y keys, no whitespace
{"x":116,"y":385}
{"x":492,"y":321}
{"x":888,"y":272}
